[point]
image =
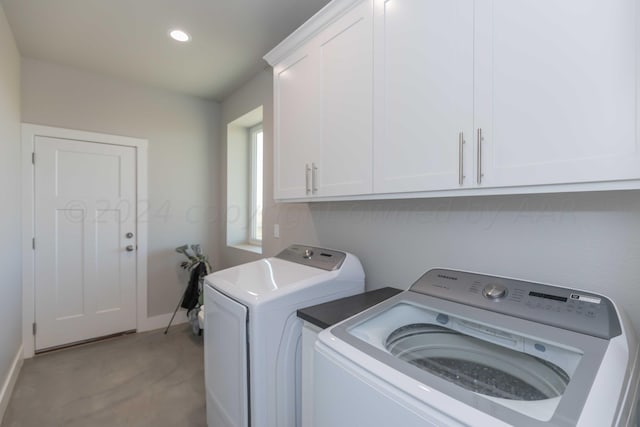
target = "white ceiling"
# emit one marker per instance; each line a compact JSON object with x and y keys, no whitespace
{"x":129,"y":38}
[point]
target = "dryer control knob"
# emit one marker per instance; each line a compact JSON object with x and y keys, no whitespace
{"x":308,"y":253}
{"x":494,"y":291}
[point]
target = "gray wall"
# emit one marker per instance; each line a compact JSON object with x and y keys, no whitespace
{"x":587,"y":240}
{"x":583,"y":240}
{"x":183,"y":141}
{"x":294,"y":219}
{"x":10,"y":247}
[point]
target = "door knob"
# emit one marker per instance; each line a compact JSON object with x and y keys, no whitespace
{"x":130,"y":248}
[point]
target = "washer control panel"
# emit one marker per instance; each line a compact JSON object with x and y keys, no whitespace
{"x":565,"y":308}
{"x":326,"y":259}
{"x":494,"y":291}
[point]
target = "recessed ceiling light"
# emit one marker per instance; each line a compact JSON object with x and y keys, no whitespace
{"x":180,"y":35}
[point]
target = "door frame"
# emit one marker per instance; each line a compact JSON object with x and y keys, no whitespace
{"x":29,"y":134}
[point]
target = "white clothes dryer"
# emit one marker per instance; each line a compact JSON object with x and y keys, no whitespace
{"x":253,"y":337}
{"x":465,"y":349}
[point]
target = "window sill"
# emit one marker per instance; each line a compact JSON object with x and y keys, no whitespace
{"x":247,"y":247}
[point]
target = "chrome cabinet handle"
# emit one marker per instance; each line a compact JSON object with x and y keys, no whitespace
{"x":307,"y":177}
{"x":479,"y":178}
{"x":460,"y":158}
{"x":314,"y":178}
{"x":129,"y":248}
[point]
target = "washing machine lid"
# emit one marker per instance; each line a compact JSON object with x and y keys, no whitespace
{"x":523,"y":372}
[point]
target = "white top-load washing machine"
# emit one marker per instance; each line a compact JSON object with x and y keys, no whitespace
{"x":465,"y":349}
{"x":253,"y":337}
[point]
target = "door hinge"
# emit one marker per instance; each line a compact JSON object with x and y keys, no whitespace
{"x":33,"y":158}
{"x":33,"y":243}
{"x":35,"y":328}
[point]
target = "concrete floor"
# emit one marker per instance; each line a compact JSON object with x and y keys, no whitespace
{"x":139,"y":380}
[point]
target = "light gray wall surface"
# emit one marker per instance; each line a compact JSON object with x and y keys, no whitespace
{"x":294,"y":219}
{"x":10,"y":219}
{"x":183,"y":142}
{"x":581,"y":240}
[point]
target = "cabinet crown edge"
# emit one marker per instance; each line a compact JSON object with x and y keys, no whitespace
{"x":332,"y":11}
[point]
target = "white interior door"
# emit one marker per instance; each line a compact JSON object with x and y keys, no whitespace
{"x":85,"y":261}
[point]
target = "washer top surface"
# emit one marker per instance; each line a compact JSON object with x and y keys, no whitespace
{"x":263,"y":279}
{"x":485,"y":341}
{"x":293,"y":270}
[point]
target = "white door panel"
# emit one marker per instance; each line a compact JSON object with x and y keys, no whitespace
{"x":225,"y":354}
{"x":555,"y":80}
{"x":84,"y":208}
{"x":296,"y":125}
{"x":346,"y":79}
{"x":426,"y":85}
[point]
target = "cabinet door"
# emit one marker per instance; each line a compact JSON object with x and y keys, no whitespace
{"x":556,"y":90}
{"x":346,"y":105}
{"x":296,"y":123}
{"x":424,"y":93}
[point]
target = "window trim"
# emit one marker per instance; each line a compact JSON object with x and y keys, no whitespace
{"x":253,"y":132}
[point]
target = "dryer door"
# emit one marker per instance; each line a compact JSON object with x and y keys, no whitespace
{"x":225,"y":364}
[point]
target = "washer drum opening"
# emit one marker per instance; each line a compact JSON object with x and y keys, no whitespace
{"x":477,"y":365}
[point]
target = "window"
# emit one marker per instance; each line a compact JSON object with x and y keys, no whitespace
{"x":245,"y":156}
{"x":255,"y":228}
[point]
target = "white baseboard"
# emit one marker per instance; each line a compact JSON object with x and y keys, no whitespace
{"x":162,"y":320}
{"x":10,"y":382}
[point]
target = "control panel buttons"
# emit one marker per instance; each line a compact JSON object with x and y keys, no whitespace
{"x":494,"y":291}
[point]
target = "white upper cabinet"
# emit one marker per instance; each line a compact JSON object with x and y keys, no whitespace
{"x":424,"y":94}
{"x":543,"y":92}
{"x":323,"y":106}
{"x":296,"y":129}
{"x":556,"y":89}
{"x":346,"y":105}
{"x":425,"y":98}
